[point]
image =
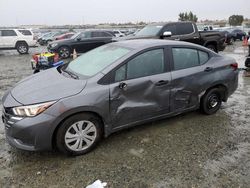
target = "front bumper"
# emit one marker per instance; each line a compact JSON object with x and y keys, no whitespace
{"x":32,"y":134}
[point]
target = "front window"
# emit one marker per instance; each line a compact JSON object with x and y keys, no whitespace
{"x":150,"y":30}
{"x":96,"y":60}
{"x":145,"y":64}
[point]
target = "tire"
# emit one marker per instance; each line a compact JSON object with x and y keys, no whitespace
{"x":64,"y":52}
{"x":211,"y":101}
{"x":79,"y":134}
{"x":212,"y":47}
{"x":47,"y":42}
{"x":22,"y":48}
{"x":231,"y":41}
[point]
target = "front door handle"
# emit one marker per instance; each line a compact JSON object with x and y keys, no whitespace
{"x":208,"y":69}
{"x":122,"y":85}
{"x":177,"y":39}
{"x":162,"y":82}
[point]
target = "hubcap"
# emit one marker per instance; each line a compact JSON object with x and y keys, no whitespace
{"x":213,"y":101}
{"x":64,"y":52}
{"x":80,"y":136}
{"x":22,"y":49}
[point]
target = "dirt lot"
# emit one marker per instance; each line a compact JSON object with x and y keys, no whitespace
{"x":190,"y":150}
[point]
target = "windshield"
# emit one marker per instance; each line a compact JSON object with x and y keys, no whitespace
{"x":96,"y":60}
{"x":150,"y":30}
{"x":75,"y":35}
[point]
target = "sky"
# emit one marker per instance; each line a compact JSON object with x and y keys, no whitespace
{"x":60,"y":12}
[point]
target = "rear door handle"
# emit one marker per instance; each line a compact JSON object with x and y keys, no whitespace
{"x":208,"y":69}
{"x":162,"y":82}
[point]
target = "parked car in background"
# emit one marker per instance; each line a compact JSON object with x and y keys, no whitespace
{"x":50,"y":37}
{"x":64,"y":36}
{"x":19,"y":39}
{"x":81,"y":42}
{"x":229,"y":37}
{"x":113,"y":87}
{"x":181,"y":31}
{"x":238,"y":34}
{"x":118,"y":33}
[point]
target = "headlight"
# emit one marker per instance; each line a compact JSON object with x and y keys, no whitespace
{"x":31,"y":110}
{"x":53,"y":45}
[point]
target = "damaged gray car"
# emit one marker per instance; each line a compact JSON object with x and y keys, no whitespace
{"x":113,"y":87}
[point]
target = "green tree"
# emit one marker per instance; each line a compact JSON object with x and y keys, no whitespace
{"x":185,"y":16}
{"x":235,"y":20}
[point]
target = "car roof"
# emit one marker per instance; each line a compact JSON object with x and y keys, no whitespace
{"x":148,"y":43}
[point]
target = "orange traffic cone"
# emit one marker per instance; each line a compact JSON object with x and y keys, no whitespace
{"x":245,"y":42}
{"x":74,"y":54}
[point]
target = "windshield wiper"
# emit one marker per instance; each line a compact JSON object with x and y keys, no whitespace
{"x":71,"y":74}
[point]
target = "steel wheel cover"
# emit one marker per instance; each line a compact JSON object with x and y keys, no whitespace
{"x":80,"y":135}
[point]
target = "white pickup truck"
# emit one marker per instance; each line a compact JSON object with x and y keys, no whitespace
{"x":19,"y":39}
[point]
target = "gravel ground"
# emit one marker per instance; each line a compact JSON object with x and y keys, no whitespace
{"x":190,"y":150}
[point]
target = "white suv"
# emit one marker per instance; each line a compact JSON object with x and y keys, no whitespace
{"x":19,"y":39}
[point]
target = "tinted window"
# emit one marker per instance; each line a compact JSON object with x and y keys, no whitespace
{"x":25,"y":32}
{"x":171,"y":28}
{"x":146,"y":64}
{"x":203,"y":57}
{"x":8,"y":33}
{"x":184,"y":28}
{"x":106,"y":34}
{"x":84,"y":35}
{"x":185,"y":58}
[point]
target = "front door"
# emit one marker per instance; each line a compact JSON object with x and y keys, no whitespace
{"x":141,"y":89}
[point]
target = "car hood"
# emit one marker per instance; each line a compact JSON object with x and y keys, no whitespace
{"x":48,"y":85}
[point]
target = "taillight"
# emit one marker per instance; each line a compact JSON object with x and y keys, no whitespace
{"x":234,"y":66}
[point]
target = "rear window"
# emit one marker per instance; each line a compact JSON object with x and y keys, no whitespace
{"x":25,"y":32}
{"x":6,"y":33}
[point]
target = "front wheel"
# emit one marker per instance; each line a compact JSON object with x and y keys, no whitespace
{"x":79,"y":134}
{"x":22,"y":48}
{"x":64,"y":52}
{"x":211,"y":101}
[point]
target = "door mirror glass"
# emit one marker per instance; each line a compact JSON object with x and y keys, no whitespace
{"x":167,"y":34}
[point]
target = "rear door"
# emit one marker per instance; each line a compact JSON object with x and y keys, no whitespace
{"x":190,"y":76}
{"x":141,"y":88}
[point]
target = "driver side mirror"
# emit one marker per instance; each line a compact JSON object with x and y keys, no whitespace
{"x":167,"y":34}
{"x":78,"y":39}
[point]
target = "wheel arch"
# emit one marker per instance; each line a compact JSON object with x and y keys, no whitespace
{"x":222,"y":88}
{"x":20,"y":41}
{"x":214,"y":43}
{"x":70,"y":114}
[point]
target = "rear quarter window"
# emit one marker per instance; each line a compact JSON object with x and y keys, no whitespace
{"x":25,"y":32}
{"x":204,"y":57}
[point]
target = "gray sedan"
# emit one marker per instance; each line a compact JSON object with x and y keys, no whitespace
{"x":113,"y":87}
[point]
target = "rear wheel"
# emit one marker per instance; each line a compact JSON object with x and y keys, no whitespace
{"x":64,"y":52}
{"x":212,"y":47}
{"x":211,"y":101}
{"x":22,"y":48}
{"x":79,"y":134}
